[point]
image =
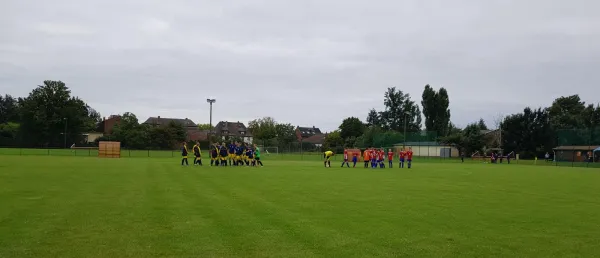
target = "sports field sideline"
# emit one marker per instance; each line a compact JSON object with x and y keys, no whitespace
{"x":64,"y":206}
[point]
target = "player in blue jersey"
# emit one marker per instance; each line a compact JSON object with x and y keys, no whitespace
{"x":231,"y":153}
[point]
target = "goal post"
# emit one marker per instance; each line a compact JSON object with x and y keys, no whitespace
{"x":269,"y":150}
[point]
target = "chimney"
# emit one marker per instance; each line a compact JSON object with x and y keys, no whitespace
{"x":158,"y":117}
{"x":313,"y":127}
{"x":104,"y":119}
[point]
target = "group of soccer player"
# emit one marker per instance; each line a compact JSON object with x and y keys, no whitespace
{"x":234,"y":154}
{"x":374,"y":157}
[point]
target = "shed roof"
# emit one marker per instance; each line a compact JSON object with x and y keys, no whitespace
{"x":577,"y":148}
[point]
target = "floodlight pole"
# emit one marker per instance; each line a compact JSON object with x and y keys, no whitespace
{"x":210,"y":102}
{"x":65,"y":134}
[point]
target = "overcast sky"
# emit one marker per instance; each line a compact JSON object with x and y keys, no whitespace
{"x":303,"y":62}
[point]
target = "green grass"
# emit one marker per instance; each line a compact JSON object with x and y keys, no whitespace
{"x":58,"y":206}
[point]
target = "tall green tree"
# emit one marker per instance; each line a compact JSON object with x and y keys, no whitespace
{"x":333,"y":141}
{"x":481,"y":124}
{"x":566,"y":112}
{"x":374,"y":118}
{"x":204,"y":127}
{"x":263,"y":129}
{"x":436,"y":110}
{"x":49,"y":110}
{"x":285,"y":134}
{"x":528,"y":133}
{"x":9,"y":109}
{"x":399,"y":108}
{"x":351,"y":127}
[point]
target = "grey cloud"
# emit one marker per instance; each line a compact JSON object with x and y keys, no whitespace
{"x":322,"y":60}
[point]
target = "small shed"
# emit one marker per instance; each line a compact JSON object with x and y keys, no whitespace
{"x":430,"y":149}
{"x":576,"y":153}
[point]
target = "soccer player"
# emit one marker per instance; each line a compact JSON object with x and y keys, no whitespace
{"x":257,"y":155}
{"x":402,"y":155}
{"x":381,"y":158}
{"x":374,"y":158}
{"x":214,"y":155}
{"x":327,"y":155}
{"x":345,"y":159}
{"x":238,"y":155}
{"x":223,"y":154}
{"x":354,"y":159}
{"x":231,"y":152}
{"x":366,"y":158}
{"x":250,"y":157}
{"x":390,"y":157}
{"x":409,"y":155}
{"x":184,"y":154}
{"x":197,"y":154}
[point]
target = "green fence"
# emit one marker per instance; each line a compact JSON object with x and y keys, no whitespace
{"x":577,"y":148}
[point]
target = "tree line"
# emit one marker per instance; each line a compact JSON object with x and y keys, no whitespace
{"x":567,"y":121}
{"x":50,"y":117}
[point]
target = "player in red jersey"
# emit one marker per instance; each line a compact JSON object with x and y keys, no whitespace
{"x":402,"y":155}
{"x":409,"y":155}
{"x":381,"y":158}
{"x":345,"y":159}
{"x":374,"y":158}
{"x":390,"y":157}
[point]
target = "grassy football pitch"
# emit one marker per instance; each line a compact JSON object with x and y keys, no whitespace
{"x":152,"y":207}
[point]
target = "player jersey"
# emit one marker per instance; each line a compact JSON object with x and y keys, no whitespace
{"x":184,"y":150}
{"x":409,"y":154}
{"x":196,"y":150}
{"x":249,"y":153}
{"x":346,"y":155}
{"x":366,"y":155}
{"x":402,"y":154}
{"x":381,"y":155}
{"x":329,"y":153}
{"x":239,"y":151}
{"x":232,"y":148}
{"x":257,"y":152}
{"x":390,"y":155}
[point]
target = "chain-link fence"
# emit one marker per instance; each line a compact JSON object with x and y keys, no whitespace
{"x":577,"y":148}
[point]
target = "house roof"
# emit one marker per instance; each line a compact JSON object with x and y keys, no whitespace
{"x":577,"y":148}
{"x":308,"y":131}
{"x":233,"y":129}
{"x":165,"y":121}
{"x":316,"y":139}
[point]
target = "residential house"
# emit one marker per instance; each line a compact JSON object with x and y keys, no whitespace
{"x":161,"y":121}
{"x":317,"y":140}
{"x":303,"y":133}
{"x":193,"y":133}
{"x":225,"y":129}
{"x":107,"y":124}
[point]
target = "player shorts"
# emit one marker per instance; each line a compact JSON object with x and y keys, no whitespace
{"x":402,"y":160}
{"x":231,"y":155}
{"x":327,"y":158}
{"x":257,"y":158}
{"x":409,"y":160}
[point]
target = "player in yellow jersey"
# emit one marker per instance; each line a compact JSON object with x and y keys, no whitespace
{"x":197,"y":154}
{"x":184,"y":154}
{"x":327,"y":156}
